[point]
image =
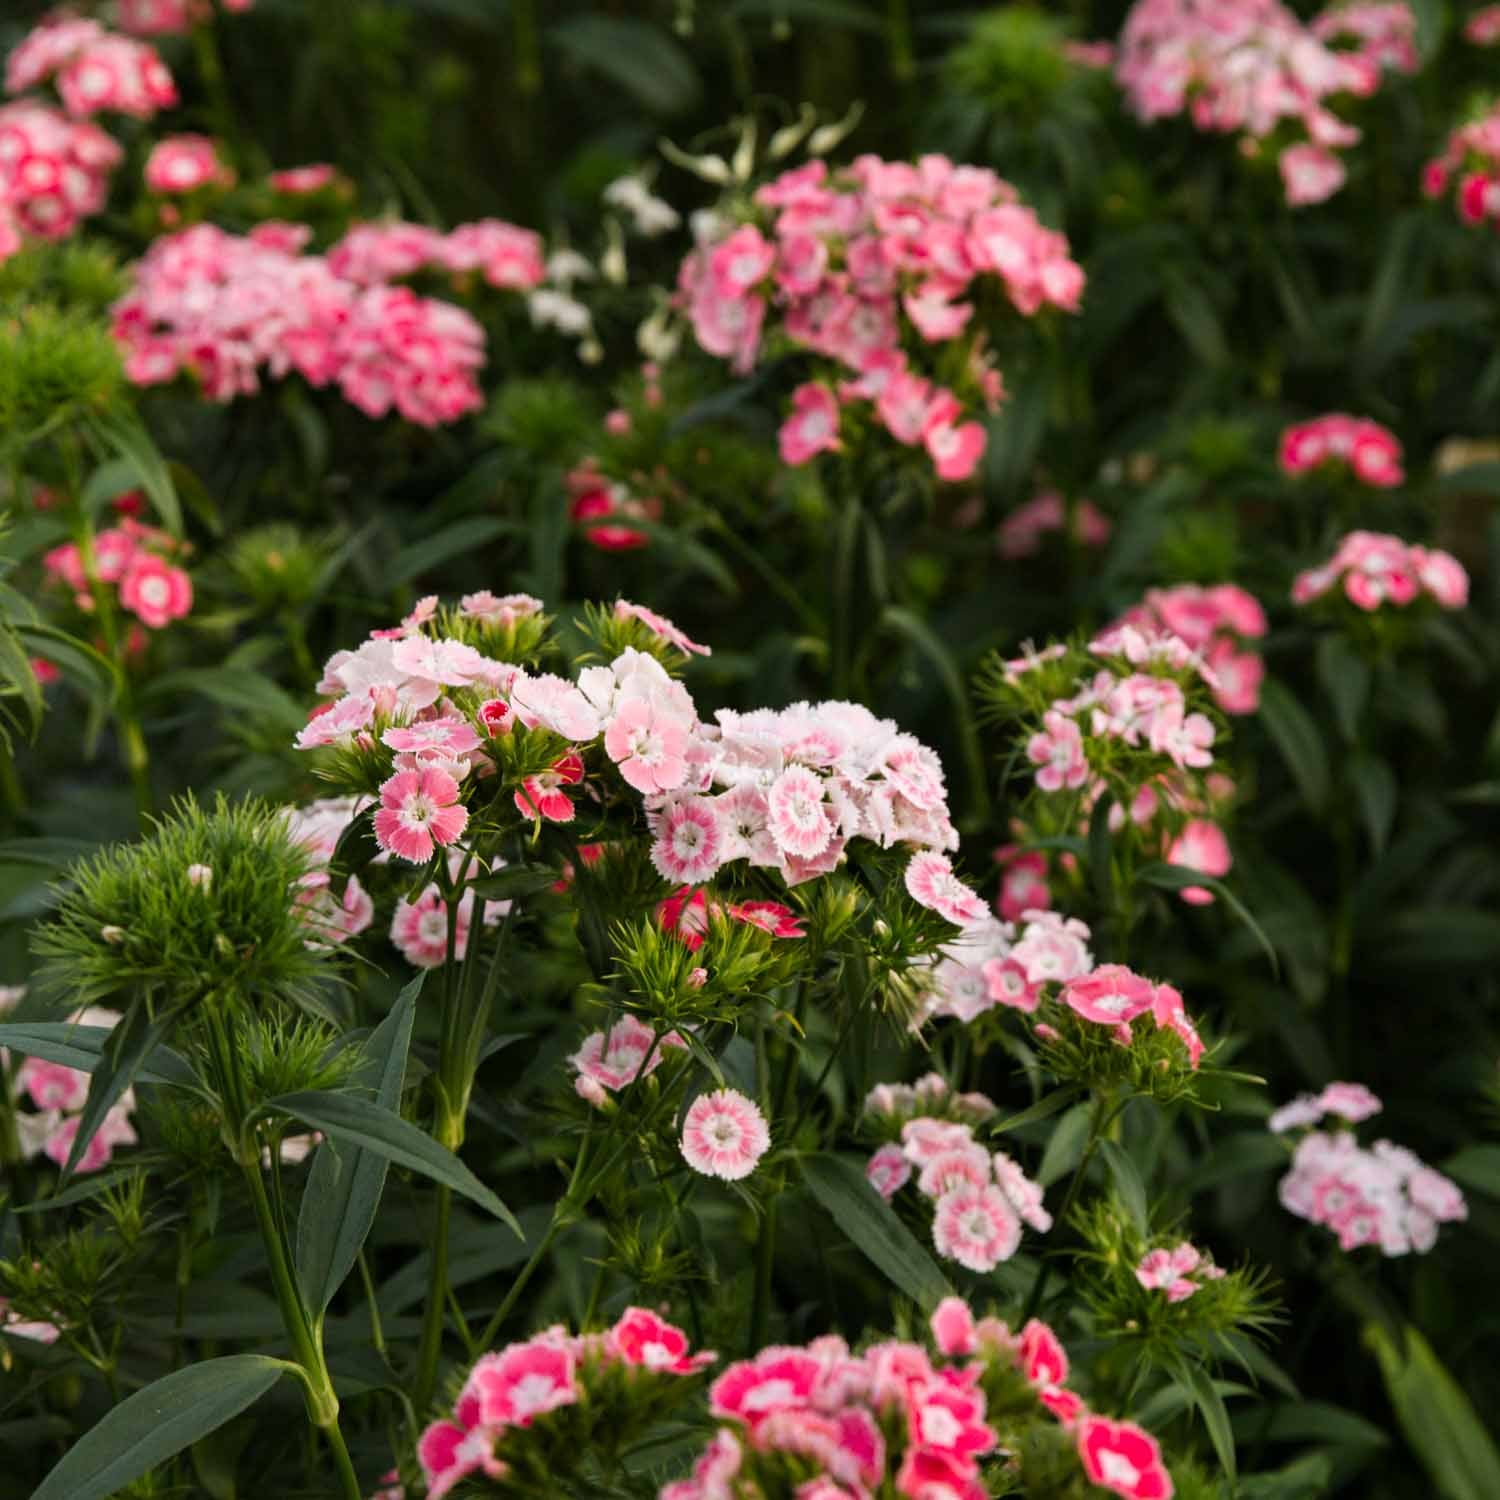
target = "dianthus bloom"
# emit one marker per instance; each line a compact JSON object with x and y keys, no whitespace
{"x":1376,"y":569}
{"x":419,"y":810}
{"x":930,"y":882}
{"x":1370,"y":452}
{"x":1123,"y":1458}
{"x":724,"y":1134}
{"x":155,"y":591}
{"x":183,"y":163}
{"x":609,"y":1060}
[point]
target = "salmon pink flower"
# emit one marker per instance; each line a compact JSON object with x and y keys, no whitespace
{"x":660,"y":625}
{"x":1201,"y":846}
{"x":955,"y":450}
{"x":1187,"y":739}
{"x":1350,"y":1101}
{"x":1170,"y":1014}
{"x":1310,"y":174}
{"x":1122,"y":1457}
{"x":419,"y":929}
{"x":1007,"y":984}
{"x":741,"y":262}
{"x":724,"y":1135}
{"x":609,"y":1060}
{"x":114,"y":1130}
{"x":977,"y":1227}
{"x":813,"y":426}
{"x":446,"y":737}
{"x":952,"y":1327}
{"x":1044,"y":1361}
{"x":418,"y":810}
{"x":930,"y":882}
{"x":183,"y":163}
{"x":51,"y":1085}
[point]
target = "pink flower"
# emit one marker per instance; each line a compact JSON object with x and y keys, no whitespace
{"x":661,"y":626}
{"x":977,"y":1227}
{"x":51,"y":1085}
{"x":799,"y":819}
{"x":1007,"y":984}
{"x":640,"y":1337}
{"x":649,"y":746}
{"x":724,"y":1134}
{"x":1238,"y":676}
{"x":1058,"y":751}
{"x":516,"y":1386}
{"x":888,"y":1171}
{"x":1187,"y":739}
{"x":1024,"y":1194}
{"x":1201,"y":846}
{"x":965,"y":1166}
{"x":930,"y":882}
{"x":609,"y":1060}
{"x":1310,"y":174}
{"x":449,"y":1453}
{"x":952,"y":1327}
{"x":688,"y":842}
{"x":418,"y":810}
{"x":1023,"y":886}
{"x":813,"y":426}
{"x":501,"y":609}
{"x":778,"y":1379}
{"x":155,"y":591}
{"x":553,"y":703}
{"x":1351,"y":1101}
{"x":419,"y":929}
{"x":542,"y":795}
{"x":446,"y":736}
{"x":955,"y":451}
{"x":741,"y":262}
{"x":183,"y":163}
{"x":1121,"y":1457}
{"x":1111,"y":995}
{"x":1442,"y":575}
{"x":1043,"y":1360}
{"x":770,"y":916}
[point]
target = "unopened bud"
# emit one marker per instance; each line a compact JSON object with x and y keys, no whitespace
{"x":112,"y":935}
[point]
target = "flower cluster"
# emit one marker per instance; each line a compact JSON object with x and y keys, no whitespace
{"x":1252,"y":67}
{"x":227,"y":308}
{"x":1383,"y":1196}
{"x":134,"y":558}
{"x":58,"y":1094}
{"x":503,"y":254}
{"x":819,"y":1421}
{"x":1216,"y":622}
{"x":54,"y":172}
{"x":1176,"y":1273}
{"x":1368,"y":451}
{"x":1374,"y":568}
{"x":1482,"y":29}
{"x":979,"y":1198}
{"x":1021,"y":532}
{"x":93,"y":70}
{"x":871,"y":268}
{"x":611,"y":1377}
{"x":1471,"y":160}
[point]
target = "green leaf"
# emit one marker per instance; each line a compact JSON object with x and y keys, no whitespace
{"x":1195,"y":1380}
{"x":346,"y":1117}
{"x":1476,"y":1167}
{"x":461,"y":539}
{"x":512,"y":881}
{"x":239,"y":689}
{"x":1436,"y":1416}
{"x":81,"y":1047}
{"x":871,"y":1224}
{"x":1316,"y":1422}
{"x":640,"y":58}
{"x":1101,"y":848}
{"x":1435,"y":936}
{"x":1064,"y":1148}
{"x":345,"y":1186}
{"x":82,"y":1190}
{"x":120,"y":1058}
{"x":1345,"y":676}
{"x":157,"y":1423}
{"x":1179,"y":877}
{"x":1192,"y":313}
{"x":1044,"y":1108}
{"x":1376,"y":792}
{"x":1128,"y":1185}
{"x":123,"y":433}
{"x":1296,"y":736}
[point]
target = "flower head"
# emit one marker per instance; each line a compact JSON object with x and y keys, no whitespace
{"x":724,"y":1134}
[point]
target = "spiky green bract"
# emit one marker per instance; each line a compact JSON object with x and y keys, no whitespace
{"x":1013,"y":60}
{"x":77,"y":273}
{"x":612,"y":634}
{"x":524,"y":640}
{"x":1155,"y":1063}
{"x":143,"y":915}
{"x":671,"y":984}
{"x":57,"y":367}
{"x":1140,"y":1321}
{"x":280,"y":567}
{"x":548,"y":419}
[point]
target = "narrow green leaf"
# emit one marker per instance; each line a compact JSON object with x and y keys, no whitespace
{"x":1195,"y":1380}
{"x":1128,"y":1185}
{"x":345,"y":1185}
{"x":1101,"y":848}
{"x":126,"y":1047}
{"x":1437,"y":1418}
{"x":641,"y":58}
{"x":1179,"y":877}
{"x":346,"y":1117}
{"x":1376,"y":792}
{"x":1044,"y":1108}
{"x":461,"y":539}
{"x":1345,"y":676}
{"x":81,"y":1047}
{"x":871,"y":1224}
{"x":514,"y":881}
{"x":157,"y":1423}
{"x":1296,"y":736}
{"x":1476,"y":1167}
{"x":124,"y":434}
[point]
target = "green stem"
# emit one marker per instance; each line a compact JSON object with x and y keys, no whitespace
{"x":765,"y":1260}
{"x":522,"y":1277}
{"x":430,"y":1347}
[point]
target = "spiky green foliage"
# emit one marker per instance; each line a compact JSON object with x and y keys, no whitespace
{"x":58,"y":366}
{"x":133,"y":917}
